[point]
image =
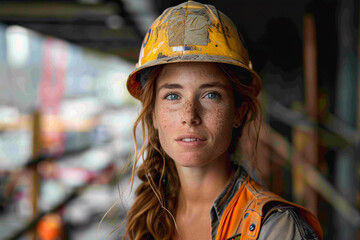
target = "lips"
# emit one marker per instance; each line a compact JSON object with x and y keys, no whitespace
{"x":190,"y":138}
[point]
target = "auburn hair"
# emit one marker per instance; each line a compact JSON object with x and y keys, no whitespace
{"x":152,"y":215}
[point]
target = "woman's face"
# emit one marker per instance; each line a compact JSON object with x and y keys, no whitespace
{"x":194,"y":113}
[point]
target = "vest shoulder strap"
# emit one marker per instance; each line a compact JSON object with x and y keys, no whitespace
{"x":262,"y":204}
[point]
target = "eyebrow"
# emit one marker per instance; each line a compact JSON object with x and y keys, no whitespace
{"x":213,"y":84}
{"x":170,"y":86}
{"x":203,"y":86}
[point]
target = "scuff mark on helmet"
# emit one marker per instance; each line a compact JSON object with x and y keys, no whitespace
{"x":160,"y":55}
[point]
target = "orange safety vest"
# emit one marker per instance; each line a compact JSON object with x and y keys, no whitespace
{"x":243,"y":216}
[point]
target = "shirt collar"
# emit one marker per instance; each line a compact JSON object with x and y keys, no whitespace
{"x":225,"y":197}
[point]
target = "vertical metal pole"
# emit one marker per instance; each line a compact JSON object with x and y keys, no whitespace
{"x":347,"y":163}
{"x":35,"y":175}
{"x":307,"y":142}
{"x":358,"y":73}
{"x":357,"y":156}
{"x":297,"y":169}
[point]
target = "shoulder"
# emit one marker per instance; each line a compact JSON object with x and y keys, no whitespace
{"x":281,"y":219}
{"x":254,"y":213}
{"x":285,"y":222}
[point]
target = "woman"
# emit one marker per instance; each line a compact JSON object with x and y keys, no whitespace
{"x":198,"y":91}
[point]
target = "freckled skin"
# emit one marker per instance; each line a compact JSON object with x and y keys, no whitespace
{"x":188,"y":108}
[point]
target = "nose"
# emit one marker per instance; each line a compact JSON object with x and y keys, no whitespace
{"x":190,"y":114}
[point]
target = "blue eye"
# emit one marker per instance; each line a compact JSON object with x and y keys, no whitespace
{"x":212,"y":95}
{"x":172,"y":97}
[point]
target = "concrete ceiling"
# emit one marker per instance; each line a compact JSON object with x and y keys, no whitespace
{"x":118,"y":26}
{"x":109,"y":26}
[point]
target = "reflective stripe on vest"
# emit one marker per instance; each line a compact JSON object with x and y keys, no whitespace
{"x":243,"y":216}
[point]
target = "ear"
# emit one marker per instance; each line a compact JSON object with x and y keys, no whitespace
{"x":155,"y":125}
{"x":240,"y":113}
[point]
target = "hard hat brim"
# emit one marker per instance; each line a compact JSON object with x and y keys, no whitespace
{"x":135,"y":88}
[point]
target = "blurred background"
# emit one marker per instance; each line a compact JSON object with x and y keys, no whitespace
{"x":66,"y":117}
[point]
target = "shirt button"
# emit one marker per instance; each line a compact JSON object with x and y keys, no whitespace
{"x":252,"y":227}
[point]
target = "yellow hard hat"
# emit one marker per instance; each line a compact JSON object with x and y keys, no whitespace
{"x":191,"y":32}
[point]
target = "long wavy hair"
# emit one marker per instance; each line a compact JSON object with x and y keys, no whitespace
{"x":152,"y":214}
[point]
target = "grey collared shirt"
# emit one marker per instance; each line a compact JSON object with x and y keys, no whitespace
{"x":283,"y":223}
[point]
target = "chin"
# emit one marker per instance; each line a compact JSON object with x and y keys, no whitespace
{"x":191,"y":160}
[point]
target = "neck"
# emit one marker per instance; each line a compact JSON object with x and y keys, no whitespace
{"x":200,"y":186}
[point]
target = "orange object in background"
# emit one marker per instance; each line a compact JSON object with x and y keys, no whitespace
{"x":50,"y":227}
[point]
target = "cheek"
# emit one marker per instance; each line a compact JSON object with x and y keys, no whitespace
{"x":222,"y":120}
{"x":164,"y":120}
{"x":165,"y":124}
